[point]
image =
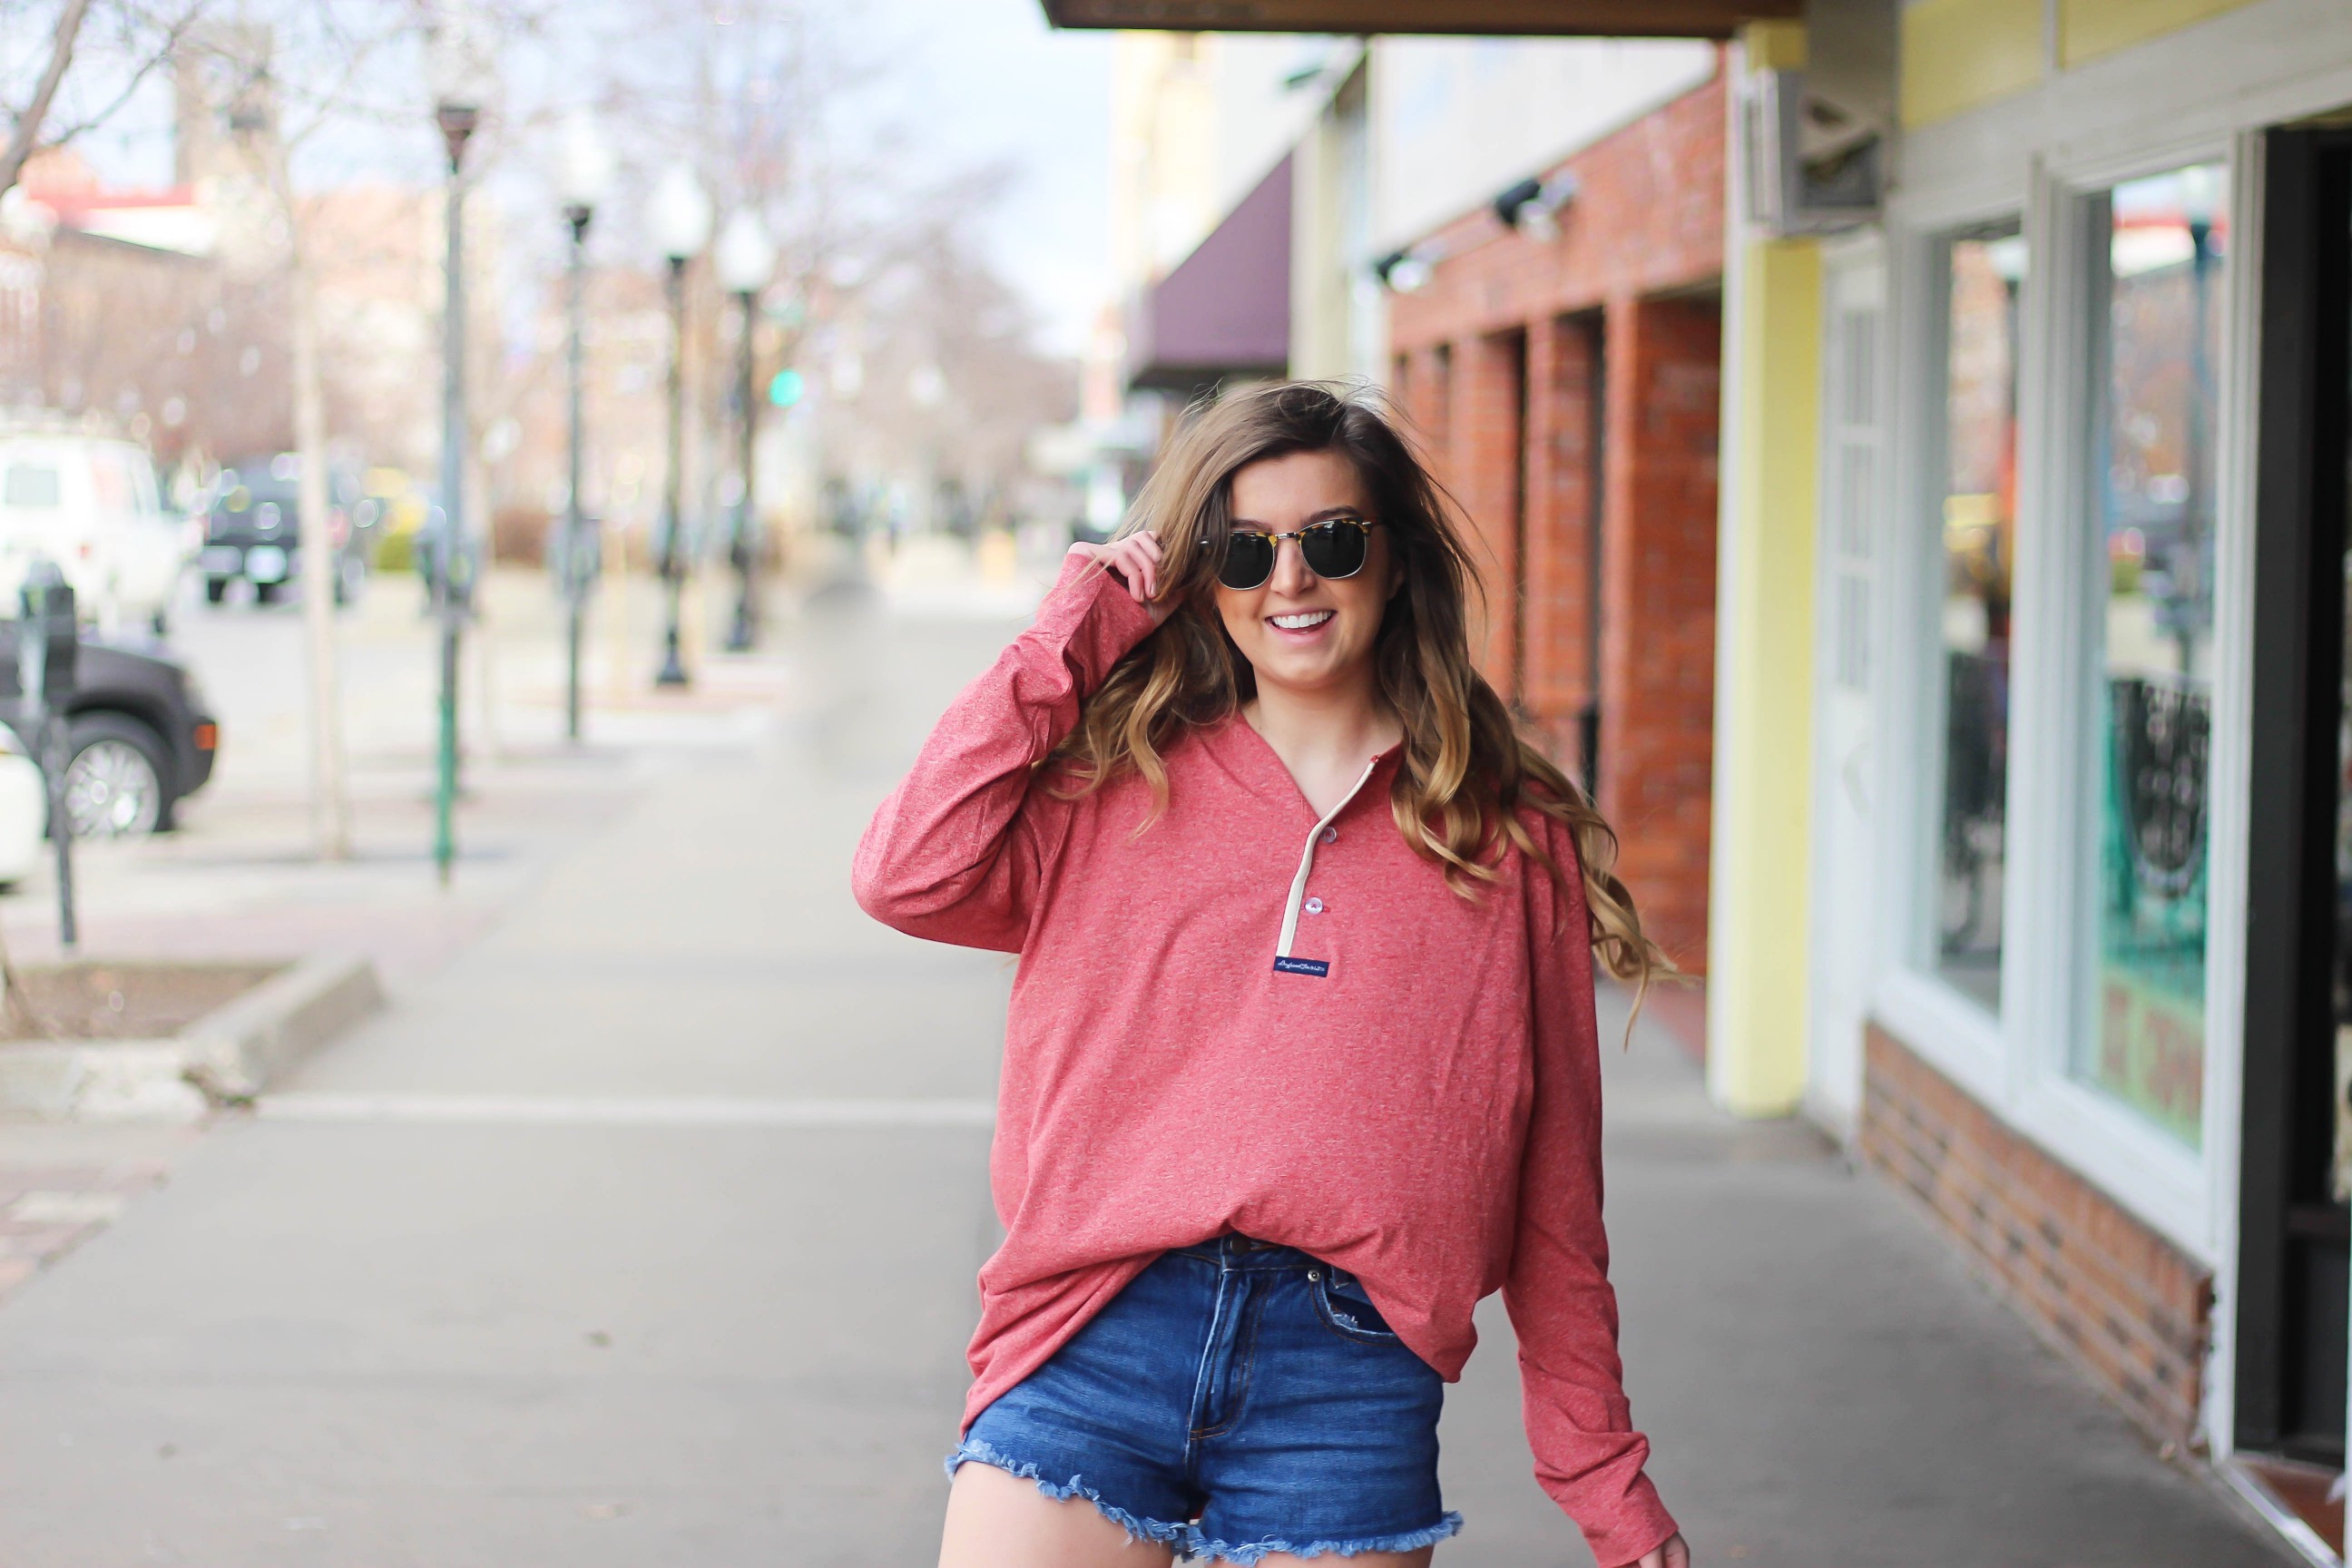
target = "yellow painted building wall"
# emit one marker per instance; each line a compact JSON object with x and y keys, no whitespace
{"x":1759,"y":916}
{"x":2089,"y":29}
{"x":1958,"y":54}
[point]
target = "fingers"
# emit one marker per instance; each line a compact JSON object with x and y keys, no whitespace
{"x":1134,"y":561}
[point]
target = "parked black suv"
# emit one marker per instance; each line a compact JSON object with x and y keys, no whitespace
{"x":144,"y":737}
{"x":251,"y":521}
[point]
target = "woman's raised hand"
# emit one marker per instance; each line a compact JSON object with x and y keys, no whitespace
{"x":1135,"y":561}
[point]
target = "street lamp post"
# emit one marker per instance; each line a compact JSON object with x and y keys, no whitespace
{"x":745,"y":257}
{"x":586,"y":169}
{"x":679,"y":217}
{"x":2201,"y":198}
{"x":460,"y":70}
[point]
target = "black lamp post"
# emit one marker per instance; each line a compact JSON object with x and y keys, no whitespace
{"x":679,"y":217}
{"x":460,"y":70}
{"x":586,"y":169}
{"x":2201,"y":198}
{"x":746,"y":258}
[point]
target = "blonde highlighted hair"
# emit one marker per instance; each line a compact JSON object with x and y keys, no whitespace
{"x":1468,"y":771}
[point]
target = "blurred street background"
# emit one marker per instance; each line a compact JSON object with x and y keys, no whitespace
{"x":493,"y":493}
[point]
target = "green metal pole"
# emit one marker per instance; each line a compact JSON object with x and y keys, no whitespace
{"x":448,"y":593}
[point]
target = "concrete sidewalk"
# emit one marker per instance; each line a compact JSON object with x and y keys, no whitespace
{"x":643,"y":1232}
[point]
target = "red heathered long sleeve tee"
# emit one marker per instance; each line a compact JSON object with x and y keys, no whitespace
{"x":1411,"y":1092}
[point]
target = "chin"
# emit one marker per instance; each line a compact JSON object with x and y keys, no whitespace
{"x":1298,"y":675}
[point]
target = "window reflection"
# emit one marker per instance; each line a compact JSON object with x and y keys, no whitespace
{"x":2160,"y":286}
{"x":1980,"y":534}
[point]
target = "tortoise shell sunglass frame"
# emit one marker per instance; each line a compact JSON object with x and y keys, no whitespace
{"x":1336,"y":548}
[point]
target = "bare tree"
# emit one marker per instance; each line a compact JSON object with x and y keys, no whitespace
{"x":289,"y":88}
{"x":881,"y":269}
{"x":30,"y":117}
{"x":147,"y":38}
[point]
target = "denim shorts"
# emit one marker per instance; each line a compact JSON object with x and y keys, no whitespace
{"x":1237,"y":1399}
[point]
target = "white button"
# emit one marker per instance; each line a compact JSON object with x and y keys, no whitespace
{"x":1330,"y":836}
{"x":1314,"y":906}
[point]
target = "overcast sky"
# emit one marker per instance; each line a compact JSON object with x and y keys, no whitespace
{"x":987,"y":78}
{"x":972,"y":83}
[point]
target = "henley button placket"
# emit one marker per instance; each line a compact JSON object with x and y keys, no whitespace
{"x":1298,"y":902}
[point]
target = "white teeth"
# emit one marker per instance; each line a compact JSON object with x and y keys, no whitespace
{"x":1301,"y":621}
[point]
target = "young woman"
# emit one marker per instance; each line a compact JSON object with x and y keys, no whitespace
{"x":1301,"y":1061}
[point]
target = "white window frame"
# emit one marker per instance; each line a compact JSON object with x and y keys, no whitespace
{"x":2018,"y":1063}
{"x":1967,"y":1041}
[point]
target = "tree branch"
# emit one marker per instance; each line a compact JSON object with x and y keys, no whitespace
{"x":157,"y":56}
{"x":28,"y":124}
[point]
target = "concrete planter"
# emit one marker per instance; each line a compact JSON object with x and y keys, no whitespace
{"x":224,"y":1058}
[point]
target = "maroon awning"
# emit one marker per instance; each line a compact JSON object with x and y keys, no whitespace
{"x":1506,"y":18}
{"x":1224,"y":312}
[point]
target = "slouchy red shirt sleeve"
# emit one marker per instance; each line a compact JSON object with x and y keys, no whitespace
{"x":956,"y":853}
{"x":1587,"y":1456}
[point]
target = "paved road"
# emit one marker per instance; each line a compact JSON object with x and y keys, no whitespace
{"x":643,"y":1233}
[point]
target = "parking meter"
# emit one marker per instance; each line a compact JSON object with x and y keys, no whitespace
{"x":48,"y":649}
{"x":47,"y":637}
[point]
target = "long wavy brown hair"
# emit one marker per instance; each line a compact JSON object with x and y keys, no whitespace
{"x":1468,"y":774}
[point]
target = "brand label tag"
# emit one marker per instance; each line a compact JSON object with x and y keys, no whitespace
{"x":1314,"y":966}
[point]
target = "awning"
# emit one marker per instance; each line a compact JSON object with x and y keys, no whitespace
{"x":1556,"y":18}
{"x":1224,"y":312}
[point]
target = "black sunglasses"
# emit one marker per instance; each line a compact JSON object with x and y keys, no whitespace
{"x":1335,"y":549}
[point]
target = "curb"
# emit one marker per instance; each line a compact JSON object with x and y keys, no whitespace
{"x":224,"y":1058}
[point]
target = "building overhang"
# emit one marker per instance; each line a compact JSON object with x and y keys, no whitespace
{"x":1531,"y":18}
{"x":1224,"y":312}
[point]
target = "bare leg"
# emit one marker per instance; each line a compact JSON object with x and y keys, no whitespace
{"x":996,"y":1519}
{"x":1414,"y":1559}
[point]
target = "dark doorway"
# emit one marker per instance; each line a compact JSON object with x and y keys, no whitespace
{"x":1596,"y":493}
{"x":2295,"y":1165}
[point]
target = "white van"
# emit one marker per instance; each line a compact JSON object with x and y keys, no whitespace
{"x":90,"y":503}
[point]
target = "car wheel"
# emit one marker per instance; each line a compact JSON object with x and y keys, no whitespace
{"x":267,"y":593}
{"x":216,"y":590}
{"x":114,"y":785}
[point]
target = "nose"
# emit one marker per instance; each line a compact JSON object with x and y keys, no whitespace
{"x":1291,"y":574}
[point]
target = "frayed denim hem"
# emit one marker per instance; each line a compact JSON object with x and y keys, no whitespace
{"x":973,"y":1451}
{"x":1410,"y":1540}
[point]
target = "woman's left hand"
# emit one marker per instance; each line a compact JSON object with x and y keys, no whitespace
{"x":1675,"y":1552}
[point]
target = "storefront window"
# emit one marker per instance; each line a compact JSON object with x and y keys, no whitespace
{"x":1979,"y":535}
{"x":2158,"y":314}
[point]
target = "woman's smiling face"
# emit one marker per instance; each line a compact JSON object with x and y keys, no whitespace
{"x":1300,"y":632}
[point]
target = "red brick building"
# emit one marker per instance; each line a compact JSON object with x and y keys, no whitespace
{"x":1567,"y":387}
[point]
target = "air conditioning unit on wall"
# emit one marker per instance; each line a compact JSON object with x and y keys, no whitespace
{"x":1821,"y":134}
{"x":1813,"y":165}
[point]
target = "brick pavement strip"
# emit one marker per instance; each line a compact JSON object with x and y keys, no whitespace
{"x":47,"y":1211}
